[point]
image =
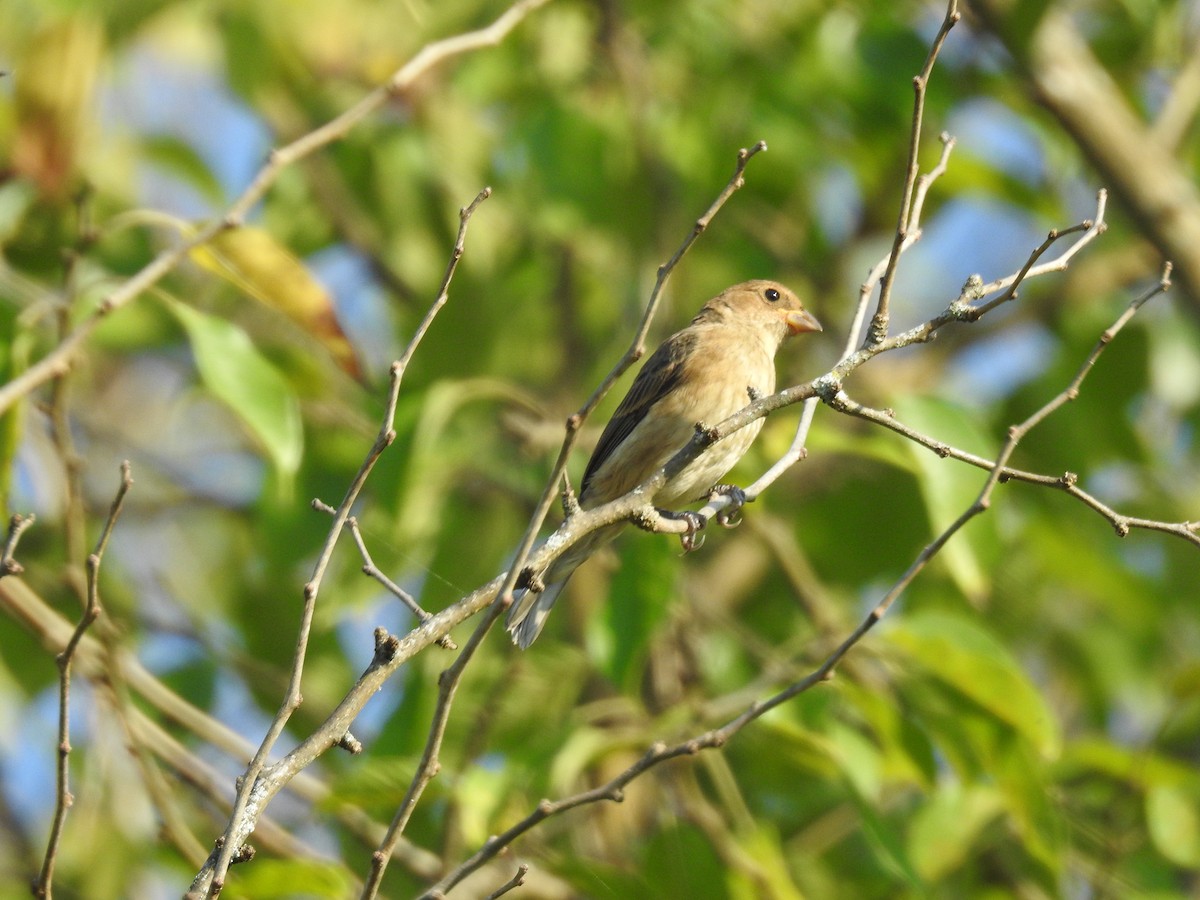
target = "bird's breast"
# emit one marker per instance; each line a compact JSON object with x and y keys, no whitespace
{"x":729,"y":378}
{"x":720,"y":377}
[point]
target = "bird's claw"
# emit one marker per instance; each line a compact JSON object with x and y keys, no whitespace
{"x":693,"y":538}
{"x":731,"y":515}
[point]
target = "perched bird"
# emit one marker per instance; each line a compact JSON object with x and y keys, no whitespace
{"x":703,"y":374}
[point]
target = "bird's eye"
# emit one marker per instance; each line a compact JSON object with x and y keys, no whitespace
{"x":771,"y":294}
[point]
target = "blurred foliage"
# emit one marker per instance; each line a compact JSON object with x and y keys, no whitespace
{"x":1026,"y":722}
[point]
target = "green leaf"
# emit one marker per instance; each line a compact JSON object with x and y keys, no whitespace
{"x":642,"y":591}
{"x":943,"y":833}
{"x":859,"y":760}
{"x":949,"y":488}
{"x":15,"y":199}
{"x":1173,"y":817}
{"x":14,"y":359}
{"x":887,"y":843}
{"x":684,"y":858}
{"x":1138,"y":767}
{"x":241,"y":378}
{"x":180,"y":158}
{"x":434,"y":461}
{"x":480,"y":792}
{"x":904,"y":746}
{"x":1036,"y":813}
{"x":764,"y":846}
{"x":578,"y":752}
{"x":962,"y":655}
{"x":270,"y":878}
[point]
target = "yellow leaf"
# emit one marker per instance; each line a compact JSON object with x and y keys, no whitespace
{"x":257,"y":264}
{"x":54,"y":81}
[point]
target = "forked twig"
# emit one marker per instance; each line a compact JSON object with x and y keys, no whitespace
{"x":210,"y":879}
{"x":448,"y":683}
{"x":636,"y":348}
{"x":613,"y":790}
{"x":878,"y":329}
{"x":796,"y":451}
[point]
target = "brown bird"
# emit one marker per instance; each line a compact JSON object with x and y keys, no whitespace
{"x":703,"y":374}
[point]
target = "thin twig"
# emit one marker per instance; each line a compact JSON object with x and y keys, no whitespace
{"x":17,"y":526}
{"x":174,"y":828}
{"x":636,"y":348}
{"x":796,"y":451}
{"x":394,"y":652}
{"x":391,"y":653}
{"x":74,"y":515}
{"x":659,"y":753}
{"x":98,"y":663}
{"x":92,"y":611}
{"x":879,"y":322}
{"x":515,"y":882}
{"x":634,"y":505}
{"x":373,"y":571}
{"x":211,"y":878}
{"x":429,"y":764}
{"x":1091,"y":228}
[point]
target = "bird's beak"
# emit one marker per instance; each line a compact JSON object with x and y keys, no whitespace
{"x":801,"y":321}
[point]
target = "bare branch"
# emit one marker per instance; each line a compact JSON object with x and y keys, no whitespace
{"x":636,"y":349}
{"x":879,"y":322}
{"x":796,"y":451}
{"x":429,"y":764}
{"x":101,"y":664}
{"x":210,"y":880}
{"x":63,"y":799}
{"x":613,"y":791}
{"x":17,"y":526}
{"x":1155,"y":187}
{"x":1091,"y":228}
{"x":373,"y":571}
{"x":515,"y":882}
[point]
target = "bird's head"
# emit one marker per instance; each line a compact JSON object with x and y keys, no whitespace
{"x":763,"y":304}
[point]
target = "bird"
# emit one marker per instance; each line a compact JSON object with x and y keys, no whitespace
{"x":697,"y":377}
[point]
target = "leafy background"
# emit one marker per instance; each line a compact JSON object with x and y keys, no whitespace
{"x":1026,"y":722}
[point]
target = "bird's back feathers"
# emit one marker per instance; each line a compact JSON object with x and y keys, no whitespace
{"x":657,"y":378}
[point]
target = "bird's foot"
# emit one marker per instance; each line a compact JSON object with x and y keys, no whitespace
{"x":529,"y":580}
{"x":731,"y":515}
{"x":693,"y":538}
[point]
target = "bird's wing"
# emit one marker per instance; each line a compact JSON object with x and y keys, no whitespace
{"x":657,"y":378}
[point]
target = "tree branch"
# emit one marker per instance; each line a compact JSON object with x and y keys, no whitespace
{"x":449,"y":680}
{"x":17,"y":526}
{"x":1072,"y":84}
{"x":210,"y":880}
{"x":879,"y":322}
{"x":659,"y":753}
{"x":796,"y":451}
{"x":43,"y":887}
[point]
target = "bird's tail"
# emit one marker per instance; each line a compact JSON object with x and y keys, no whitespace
{"x":529,"y":611}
